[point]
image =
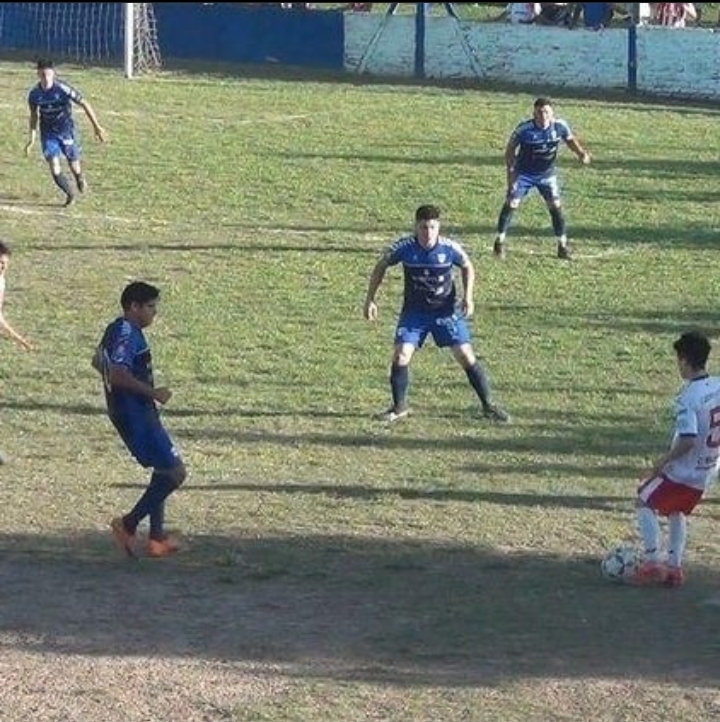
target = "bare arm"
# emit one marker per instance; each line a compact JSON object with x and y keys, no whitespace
{"x":681,"y":446}
{"x":376,"y":278}
{"x":12,"y":333}
{"x":32,"y":128}
{"x":582,"y":155}
{"x":467,"y":273}
{"x":510,"y":157}
{"x":90,"y":113}
{"x":120,"y":377}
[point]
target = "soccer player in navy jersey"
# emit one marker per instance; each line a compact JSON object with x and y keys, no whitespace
{"x":430,"y":307}
{"x":50,"y":103}
{"x":530,"y":160}
{"x":124,"y":361}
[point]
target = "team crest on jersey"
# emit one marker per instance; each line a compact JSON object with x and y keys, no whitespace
{"x":441,"y":257}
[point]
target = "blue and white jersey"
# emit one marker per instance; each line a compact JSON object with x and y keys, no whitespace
{"x":429,"y":279}
{"x":124,"y":344}
{"x":538,"y":147}
{"x":54,"y":107}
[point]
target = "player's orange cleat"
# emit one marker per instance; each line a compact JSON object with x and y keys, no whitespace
{"x":162,"y":547}
{"x":674,"y":577}
{"x":649,"y":574}
{"x":124,"y":539}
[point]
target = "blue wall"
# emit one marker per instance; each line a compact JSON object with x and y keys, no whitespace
{"x":227,"y":32}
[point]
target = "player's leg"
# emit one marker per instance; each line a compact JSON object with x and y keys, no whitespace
{"x":405,"y":345}
{"x":410,"y":334}
{"x":515,"y":194}
{"x":72,"y":152}
{"x":52,"y":151}
{"x":677,"y":539}
{"x":453,"y":332}
{"x":550,"y":191}
{"x":662,"y":496}
{"x":150,"y":444}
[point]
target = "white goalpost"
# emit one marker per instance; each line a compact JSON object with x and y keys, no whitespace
{"x":88,"y":33}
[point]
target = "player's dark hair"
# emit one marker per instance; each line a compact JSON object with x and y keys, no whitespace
{"x":45,"y":63}
{"x":694,"y":347}
{"x":5,"y":249}
{"x":542,"y":101}
{"x":138,"y":292}
{"x":427,"y":213}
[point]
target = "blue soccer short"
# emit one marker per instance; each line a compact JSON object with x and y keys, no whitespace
{"x":55,"y":145}
{"x":413,"y":328}
{"x":147,"y":440}
{"x":547,"y":187}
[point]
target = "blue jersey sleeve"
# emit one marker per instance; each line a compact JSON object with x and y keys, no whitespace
{"x":396,"y":252}
{"x":562,"y":128}
{"x":124,"y":346}
{"x":69,"y":92}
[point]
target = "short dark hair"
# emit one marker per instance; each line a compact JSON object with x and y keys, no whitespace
{"x":694,"y":347}
{"x":542,"y":101}
{"x":45,"y":63}
{"x":138,"y":292}
{"x":427,"y":213}
{"x":5,"y":249}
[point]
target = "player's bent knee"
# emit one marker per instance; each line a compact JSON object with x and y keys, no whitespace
{"x":178,"y":475}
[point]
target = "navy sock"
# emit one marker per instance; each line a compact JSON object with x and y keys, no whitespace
{"x":558,"y":221}
{"x":478,"y":380}
{"x":506,"y":214}
{"x":151,"y":503}
{"x":399,"y":383}
{"x":62,"y":182}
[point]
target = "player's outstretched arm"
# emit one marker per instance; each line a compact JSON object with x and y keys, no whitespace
{"x":370,"y":310}
{"x":13,"y":334}
{"x":510,"y":158}
{"x":582,"y":155}
{"x":32,"y":129}
{"x":100,"y":133}
{"x":467,"y":273}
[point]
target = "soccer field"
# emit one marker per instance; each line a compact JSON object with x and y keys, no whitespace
{"x":337,"y":569}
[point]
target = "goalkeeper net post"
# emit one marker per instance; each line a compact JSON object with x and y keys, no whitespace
{"x":129,"y":44}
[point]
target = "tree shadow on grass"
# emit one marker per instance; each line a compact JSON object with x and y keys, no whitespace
{"x":352,"y":608}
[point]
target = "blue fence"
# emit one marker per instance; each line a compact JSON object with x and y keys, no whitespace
{"x":221,"y":32}
{"x":227,"y":32}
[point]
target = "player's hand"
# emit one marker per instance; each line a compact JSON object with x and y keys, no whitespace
{"x":468,"y":308}
{"x":585,"y":158}
{"x":28,"y":146}
{"x":25,"y":344}
{"x":100,"y":134}
{"x":370,"y":311}
{"x":162,"y":395}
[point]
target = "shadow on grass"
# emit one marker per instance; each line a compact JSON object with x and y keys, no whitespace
{"x":349,"y":608}
{"x":560,"y":440}
{"x":399,"y":158}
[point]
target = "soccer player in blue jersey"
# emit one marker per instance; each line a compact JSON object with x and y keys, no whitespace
{"x":530,"y":160}
{"x":124,"y":361}
{"x":430,"y":307}
{"x":50,"y":103}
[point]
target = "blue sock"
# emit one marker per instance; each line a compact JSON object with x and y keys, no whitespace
{"x":558,"y":221}
{"x":506,"y":214}
{"x":152,"y":504}
{"x":478,"y":380}
{"x":399,"y":383}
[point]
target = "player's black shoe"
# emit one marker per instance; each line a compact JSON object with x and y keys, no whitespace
{"x":499,"y":250}
{"x":496,"y":414}
{"x":69,"y":200}
{"x":564,"y":252}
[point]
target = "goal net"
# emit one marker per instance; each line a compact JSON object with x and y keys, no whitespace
{"x":89,"y":33}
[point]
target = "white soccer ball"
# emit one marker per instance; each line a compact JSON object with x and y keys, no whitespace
{"x":620,"y":564}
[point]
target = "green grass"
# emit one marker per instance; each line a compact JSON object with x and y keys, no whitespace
{"x":440,"y":569}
